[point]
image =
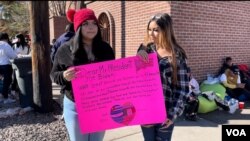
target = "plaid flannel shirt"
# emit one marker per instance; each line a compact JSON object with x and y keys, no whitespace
{"x":175,"y":95}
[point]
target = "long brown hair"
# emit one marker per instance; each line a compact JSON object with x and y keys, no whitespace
{"x":167,"y":39}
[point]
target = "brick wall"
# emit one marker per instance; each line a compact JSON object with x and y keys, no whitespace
{"x":57,"y":26}
{"x":130,"y":24}
{"x":208,"y":31}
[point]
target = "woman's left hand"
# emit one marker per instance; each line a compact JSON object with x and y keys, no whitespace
{"x":166,"y":124}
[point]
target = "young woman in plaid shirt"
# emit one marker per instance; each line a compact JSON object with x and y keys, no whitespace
{"x":160,"y":38}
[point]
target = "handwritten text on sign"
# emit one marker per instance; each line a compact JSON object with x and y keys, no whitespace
{"x":118,"y":93}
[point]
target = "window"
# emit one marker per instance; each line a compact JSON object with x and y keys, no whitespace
{"x":105,"y":27}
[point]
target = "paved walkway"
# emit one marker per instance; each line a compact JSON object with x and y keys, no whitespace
{"x":207,"y":128}
{"x":184,"y":131}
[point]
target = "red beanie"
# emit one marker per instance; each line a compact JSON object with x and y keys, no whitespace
{"x":80,"y":16}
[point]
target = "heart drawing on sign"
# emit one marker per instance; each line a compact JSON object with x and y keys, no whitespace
{"x":123,"y":114}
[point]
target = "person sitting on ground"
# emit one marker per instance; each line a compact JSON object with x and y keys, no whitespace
{"x":228,"y":62}
{"x":234,"y":88}
{"x":245,"y":75}
{"x":192,"y":103}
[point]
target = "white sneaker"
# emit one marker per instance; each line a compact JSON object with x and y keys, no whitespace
{"x":12,"y":92}
{"x":25,"y":110}
{"x":8,"y":100}
{"x":62,"y":117}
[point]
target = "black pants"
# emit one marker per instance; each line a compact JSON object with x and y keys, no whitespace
{"x":6,"y":72}
{"x":155,"y":133}
{"x":14,"y":85}
{"x":238,"y":92}
{"x":247,"y":82}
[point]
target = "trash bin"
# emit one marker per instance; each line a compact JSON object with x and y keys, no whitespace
{"x":23,"y":69}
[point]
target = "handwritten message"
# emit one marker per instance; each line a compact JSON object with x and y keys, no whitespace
{"x":118,"y":93}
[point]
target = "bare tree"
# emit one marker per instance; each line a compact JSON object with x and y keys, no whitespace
{"x":58,"y":8}
{"x":14,"y":17}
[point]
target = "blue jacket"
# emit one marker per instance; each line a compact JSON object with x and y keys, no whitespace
{"x":62,"y":39}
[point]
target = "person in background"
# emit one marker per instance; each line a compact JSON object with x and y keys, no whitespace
{"x":192,"y":98}
{"x":234,"y":88}
{"x":6,"y":53}
{"x":85,"y":47}
{"x":28,"y":41}
{"x":22,"y":49}
{"x":228,"y":62}
{"x":20,"y":46}
{"x":160,"y":39}
{"x":6,"y":37}
{"x":69,"y":33}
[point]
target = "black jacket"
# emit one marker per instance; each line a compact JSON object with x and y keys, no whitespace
{"x":64,"y":59}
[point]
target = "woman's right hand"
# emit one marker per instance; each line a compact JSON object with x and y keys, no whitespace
{"x":143,"y":55}
{"x":241,"y":85}
{"x":70,"y":73}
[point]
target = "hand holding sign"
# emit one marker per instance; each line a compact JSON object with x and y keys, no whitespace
{"x":70,"y":73}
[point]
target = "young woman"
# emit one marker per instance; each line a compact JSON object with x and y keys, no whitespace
{"x":21,"y":47}
{"x":84,"y":48}
{"x":160,"y":38}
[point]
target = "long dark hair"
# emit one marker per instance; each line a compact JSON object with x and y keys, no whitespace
{"x":5,"y":36}
{"x":167,"y":39}
{"x":22,"y":41}
{"x":78,"y":51}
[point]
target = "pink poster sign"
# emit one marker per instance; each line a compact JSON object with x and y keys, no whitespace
{"x":119,"y":93}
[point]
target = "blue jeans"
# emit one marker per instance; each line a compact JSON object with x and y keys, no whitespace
{"x":156,"y":134}
{"x":72,"y":124}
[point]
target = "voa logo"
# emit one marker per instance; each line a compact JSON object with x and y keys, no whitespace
{"x":236,"y":132}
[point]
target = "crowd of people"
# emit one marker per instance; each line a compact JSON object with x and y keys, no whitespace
{"x":11,"y":49}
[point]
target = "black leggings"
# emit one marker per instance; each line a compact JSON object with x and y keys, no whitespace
{"x":6,"y":71}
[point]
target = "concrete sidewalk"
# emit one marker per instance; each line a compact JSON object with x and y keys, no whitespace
{"x":207,"y":128}
{"x":184,"y":131}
